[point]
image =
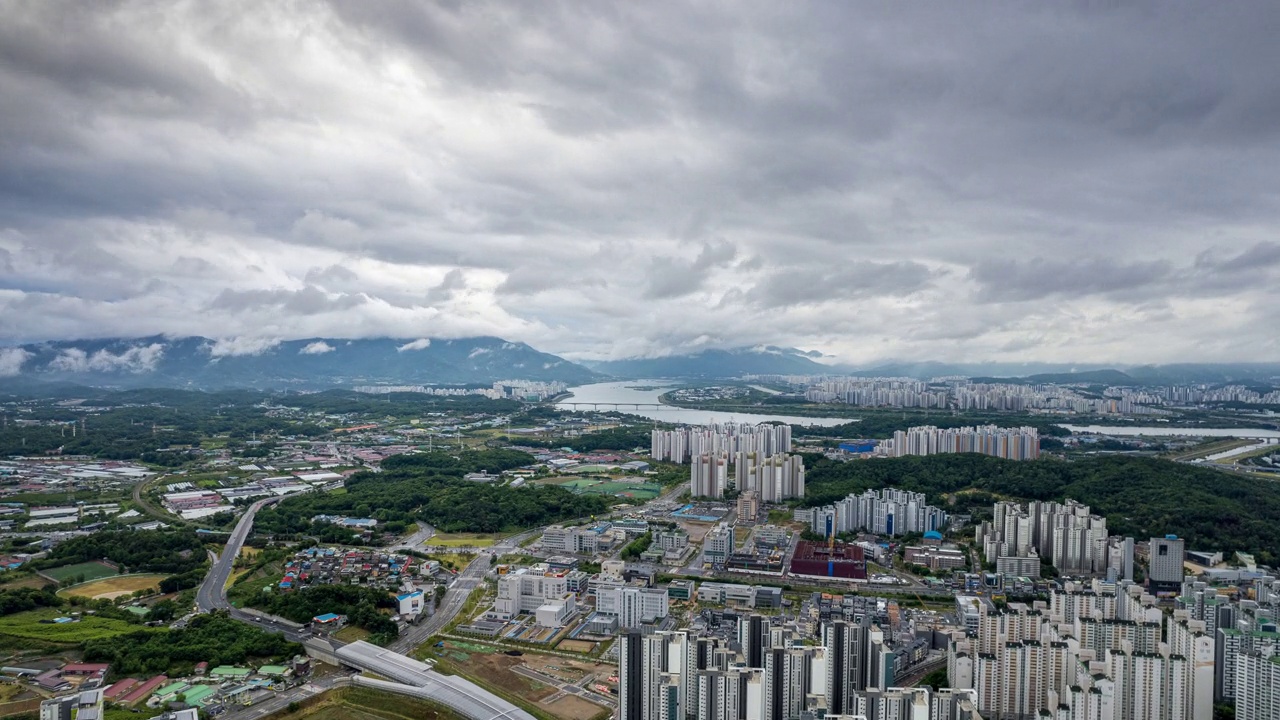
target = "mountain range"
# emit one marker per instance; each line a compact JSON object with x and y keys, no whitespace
{"x":198,"y":362}
{"x":712,"y":364}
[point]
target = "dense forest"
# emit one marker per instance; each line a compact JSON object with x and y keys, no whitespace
{"x":1141,"y":497}
{"x":428,"y":487}
{"x":163,"y":551}
{"x":214,"y":638}
{"x":359,"y":604}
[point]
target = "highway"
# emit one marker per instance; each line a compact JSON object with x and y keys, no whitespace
{"x":212,"y":593}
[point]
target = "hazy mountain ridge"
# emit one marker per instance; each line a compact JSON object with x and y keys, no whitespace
{"x":769,"y":360}
{"x":314,"y":362}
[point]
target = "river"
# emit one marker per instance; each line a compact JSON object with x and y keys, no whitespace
{"x":626,"y":392}
{"x":629,"y":391}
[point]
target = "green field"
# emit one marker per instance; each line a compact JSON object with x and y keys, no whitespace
{"x":90,"y":570}
{"x":28,"y":625}
{"x":642,"y":491}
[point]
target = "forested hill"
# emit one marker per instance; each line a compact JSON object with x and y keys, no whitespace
{"x":428,"y":487}
{"x":1141,"y":497}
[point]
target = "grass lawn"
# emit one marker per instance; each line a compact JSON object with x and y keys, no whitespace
{"x":21,"y":580}
{"x":352,"y":633}
{"x":115,"y":586}
{"x":90,"y":570}
{"x":28,"y":625}
{"x":462,"y":540}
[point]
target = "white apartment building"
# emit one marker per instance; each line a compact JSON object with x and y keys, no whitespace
{"x":709,"y":475}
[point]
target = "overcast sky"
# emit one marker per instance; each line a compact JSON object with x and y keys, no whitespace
{"x":929,"y":181}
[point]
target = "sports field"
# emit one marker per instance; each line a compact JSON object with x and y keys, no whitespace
{"x":642,"y":491}
{"x":578,"y":483}
{"x":90,"y":570}
{"x":110,"y":588}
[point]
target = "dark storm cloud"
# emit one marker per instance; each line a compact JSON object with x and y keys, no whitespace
{"x":614,"y":178}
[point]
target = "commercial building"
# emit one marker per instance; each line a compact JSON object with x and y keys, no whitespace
{"x":837,"y":560}
{"x":1165,"y":564}
{"x":935,"y":558}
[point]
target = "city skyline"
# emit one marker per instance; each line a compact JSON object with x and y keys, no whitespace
{"x":608,"y":181}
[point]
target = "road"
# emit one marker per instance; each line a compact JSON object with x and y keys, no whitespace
{"x":212,"y":594}
{"x":459,"y":590}
{"x":414,"y":541}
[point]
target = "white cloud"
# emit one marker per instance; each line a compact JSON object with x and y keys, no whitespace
{"x":419,"y":344}
{"x":864,"y":181}
{"x":11,"y":361}
{"x":242,"y":345}
{"x":138,"y":359}
{"x":318,"y":347}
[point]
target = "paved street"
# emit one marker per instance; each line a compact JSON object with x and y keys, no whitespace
{"x":212,"y":592}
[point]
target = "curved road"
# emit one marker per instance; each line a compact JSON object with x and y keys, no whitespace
{"x":212,"y":594}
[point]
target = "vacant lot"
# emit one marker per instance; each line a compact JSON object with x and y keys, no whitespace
{"x":496,"y":672}
{"x":23,"y":581}
{"x":110,"y":588}
{"x":461,"y":540}
{"x":27,"y":625}
{"x":365,"y":704}
{"x":579,"y":646}
{"x":90,"y":571}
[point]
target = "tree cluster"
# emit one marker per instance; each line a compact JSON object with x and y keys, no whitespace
{"x":359,"y":604}
{"x":1140,"y":497}
{"x":163,"y":551}
{"x":19,"y":600}
{"x":428,"y":488}
{"x":214,"y":638}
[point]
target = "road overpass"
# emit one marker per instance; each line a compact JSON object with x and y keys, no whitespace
{"x":417,"y":679}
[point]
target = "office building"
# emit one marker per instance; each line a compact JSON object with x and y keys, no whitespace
{"x":546,"y":597}
{"x":633,"y":606}
{"x":1165,"y":564}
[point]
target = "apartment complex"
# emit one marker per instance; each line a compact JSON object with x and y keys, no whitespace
{"x":883,"y":512}
{"x":760,"y":671}
{"x":1022,"y":443}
